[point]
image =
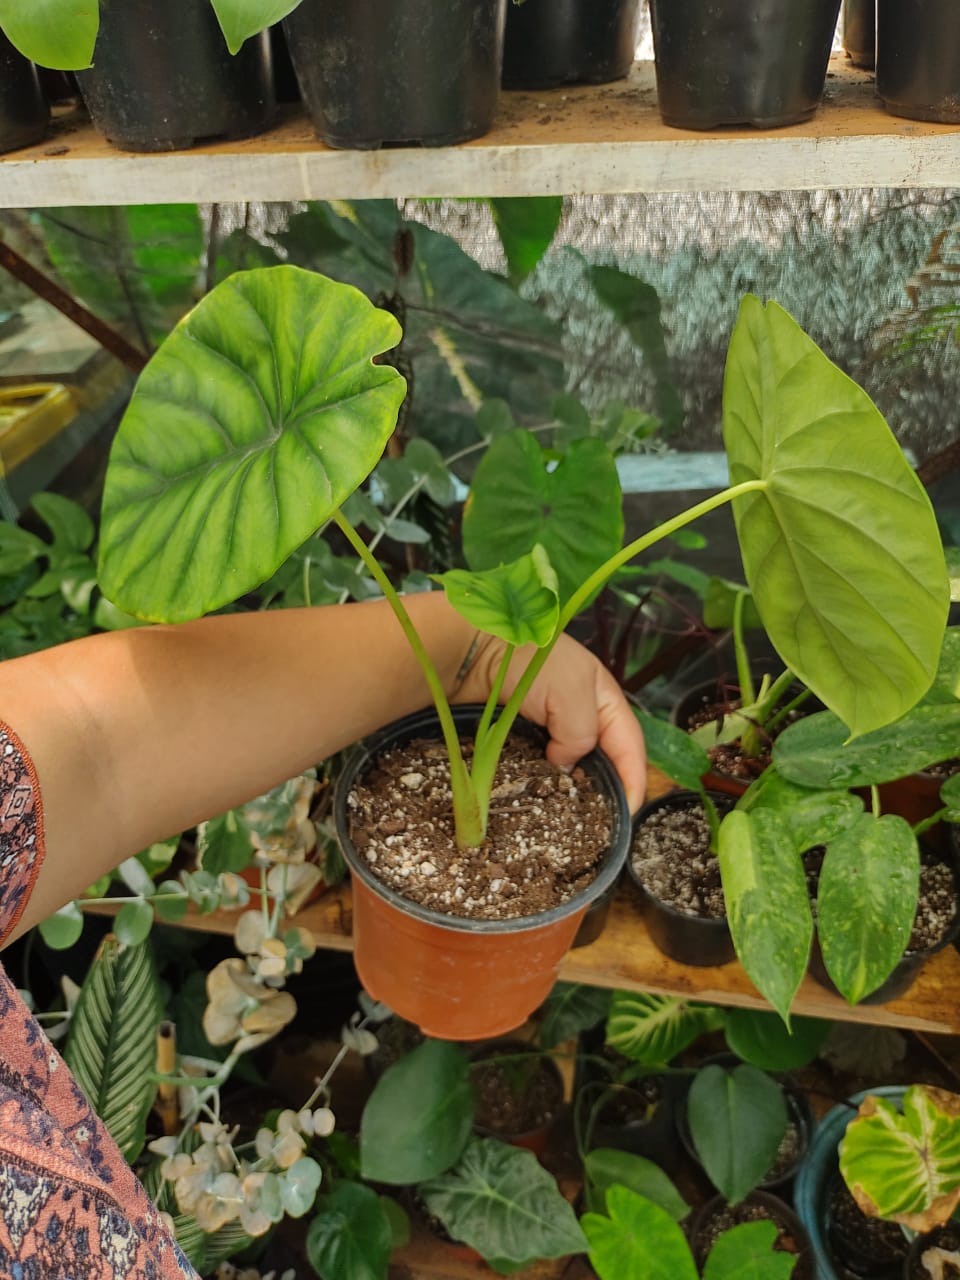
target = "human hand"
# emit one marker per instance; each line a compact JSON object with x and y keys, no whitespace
{"x":579,"y":703}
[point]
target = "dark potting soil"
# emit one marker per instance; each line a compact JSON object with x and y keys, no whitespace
{"x":546,"y":835}
{"x":943,"y":1243}
{"x":749,"y":1210}
{"x":861,"y":1241}
{"x":515,"y":1097}
{"x":788,"y":1153}
{"x":729,"y":757}
{"x":671,"y":856}
{"x":936,"y":903}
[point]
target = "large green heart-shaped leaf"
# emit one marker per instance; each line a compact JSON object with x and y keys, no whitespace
{"x":905,"y":1166}
{"x":516,"y":601}
{"x":500,"y":1200}
{"x":767,"y":903}
{"x":840,"y":546}
{"x":638,"y":1241}
{"x":240,"y":19}
{"x":53,"y":33}
{"x":737,"y":1121}
{"x":867,"y":901}
{"x":574,"y":511}
{"x":349,"y":1237}
{"x":815,"y":817}
{"x":814,"y":752}
{"x":746,"y":1252}
{"x":418,"y":1118}
{"x":653,"y":1029}
{"x":255,"y":420}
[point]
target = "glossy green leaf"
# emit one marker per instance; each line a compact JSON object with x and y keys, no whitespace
{"x":255,"y":420}
{"x":905,"y":1167}
{"x":948,"y":672}
{"x":52,"y":33}
{"x":638,"y":1241}
{"x":768,"y":907}
{"x":18,"y":548}
{"x":762,"y":1039}
{"x":674,"y":752}
{"x":573,"y":511}
{"x":840,"y":547}
{"x":570,"y":1008}
{"x":517,"y":601}
{"x":867,"y":901}
{"x":950,"y":797}
{"x":111,"y":1046}
{"x":813,"y":751}
{"x":69,"y":523}
{"x":653,"y":1029}
{"x":133,"y":923}
{"x":171,"y":901}
{"x":606,"y":1168}
{"x":349,"y":1236}
{"x":746,"y":1252}
{"x":526,"y":225}
{"x":737,"y":1121}
{"x":500,"y":1200}
{"x":815,"y":817}
{"x":62,"y":929}
{"x":240,"y":19}
{"x":418,"y":1118}
{"x":224,"y":843}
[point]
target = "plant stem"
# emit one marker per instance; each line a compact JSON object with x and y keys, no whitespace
{"x":469,"y":825}
{"x":926,"y":823}
{"x":748,"y":695}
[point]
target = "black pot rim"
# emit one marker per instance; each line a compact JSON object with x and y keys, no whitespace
{"x":425,"y":722}
{"x":671,"y":800}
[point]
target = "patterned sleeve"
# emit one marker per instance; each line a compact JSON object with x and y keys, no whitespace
{"x":21,"y":829}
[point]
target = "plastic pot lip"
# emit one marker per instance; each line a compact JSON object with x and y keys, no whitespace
{"x":675,"y":800}
{"x":426,"y":723}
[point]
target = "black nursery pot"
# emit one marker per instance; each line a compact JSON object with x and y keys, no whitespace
{"x":24,"y":113}
{"x":726,"y":62}
{"x":686,"y":938}
{"x":163,"y":79}
{"x":376,"y":72}
{"x":859,"y":31}
{"x":553,"y":42}
{"x":764,"y":1205}
{"x":918,"y":58}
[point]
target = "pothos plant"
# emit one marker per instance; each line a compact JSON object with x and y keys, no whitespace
{"x":62,"y":33}
{"x":265,"y":409}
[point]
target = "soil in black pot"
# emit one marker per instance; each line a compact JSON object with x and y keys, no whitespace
{"x":862,"y":1246}
{"x":944,"y":1241}
{"x":547,"y":832}
{"x":730,"y":758}
{"x":718,"y":1217}
{"x":671,"y":857}
{"x":514,"y":1097}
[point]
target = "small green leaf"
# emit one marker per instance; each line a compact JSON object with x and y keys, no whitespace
{"x":610,"y":1168}
{"x":674,"y":752}
{"x":570,"y":1008}
{"x":399,"y":1222}
{"x":349,"y":1236}
{"x":298,"y":1188}
{"x":63,"y":928}
{"x":527,"y":225}
{"x":52,"y":33}
{"x":762,"y":1039}
{"x":517,"y":602}
{"x":746,"y":1252}
{"x":737,"y":1121}
{"x":69,"y":523}
{"x":814,"y":816}
{"x":224,"y":844}
{"x":768,"y":906}
{"x":18,"y":548}
{"x":418,"y":1118}
{"x":638,"y":1241}
{"x":171,"y":901}
{"x":867,"y":902}
{"x":240,"y":19}
{"x":652,"y":1029}
{"x":133,"y":923}
{"x":840,"y":545}
{"x":950,"y":795}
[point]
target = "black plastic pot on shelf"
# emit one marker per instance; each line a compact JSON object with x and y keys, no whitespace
{"x":859,"y":31}
{"x":554,"y":42}
{"x":687,"y":938}
{"x":726,"y":62}
{"x":24,"y":113}
{"x":163,"y":79}
{"x":793,"y":1235}
{"x":414,"y":72}
{"x":918,"y":58}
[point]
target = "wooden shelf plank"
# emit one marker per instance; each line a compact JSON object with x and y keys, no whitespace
{"x":586,"y":139}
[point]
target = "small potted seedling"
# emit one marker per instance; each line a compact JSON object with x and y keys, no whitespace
{"x":264,"y":411}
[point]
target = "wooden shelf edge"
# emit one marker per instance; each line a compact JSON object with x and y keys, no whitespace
{"x":584,"y":139}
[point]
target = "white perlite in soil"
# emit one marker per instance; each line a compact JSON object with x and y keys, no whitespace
{"x":672,"y":859}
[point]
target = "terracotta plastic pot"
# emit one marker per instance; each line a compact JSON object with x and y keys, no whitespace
{"x":23,"y":107}
{"x":757,"y":62}
{"x":456,"y":978}
{"x":918,"y":58}
{"x":553,"y":42}
{"x":408,"y":71}
{"x":690,"y":939}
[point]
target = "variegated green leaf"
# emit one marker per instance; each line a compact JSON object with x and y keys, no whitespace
{"x":768,"y":906}
{"x":111,"y":1048}
{"x":905,"y":1167}
{"x":867,"y":901}
{"x":653,"y":1029}
{"x":517,"y":601}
